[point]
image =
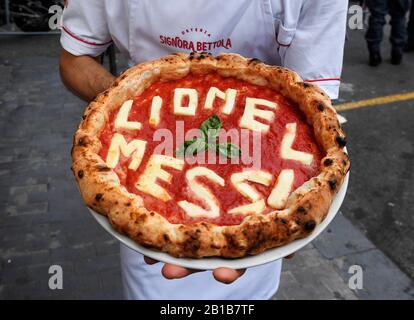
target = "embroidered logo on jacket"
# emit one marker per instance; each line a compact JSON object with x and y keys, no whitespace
{"x":183,"y":43}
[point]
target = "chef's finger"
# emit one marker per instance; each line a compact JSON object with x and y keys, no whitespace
{"x":226,"y":275}
{"x":171,"y":271}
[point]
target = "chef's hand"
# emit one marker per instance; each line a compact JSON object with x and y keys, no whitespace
{"x":224,"y":275}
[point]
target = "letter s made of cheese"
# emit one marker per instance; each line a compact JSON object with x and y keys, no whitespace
{"x":203,"y":193}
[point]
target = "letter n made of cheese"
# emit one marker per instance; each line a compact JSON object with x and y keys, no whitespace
{"x":229,"y":98}
{"x":147,"y":182}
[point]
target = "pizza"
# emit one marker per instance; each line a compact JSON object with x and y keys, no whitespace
{"x":199,"y":156}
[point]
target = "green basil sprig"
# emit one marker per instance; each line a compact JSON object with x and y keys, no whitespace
{"x":210,"y":130}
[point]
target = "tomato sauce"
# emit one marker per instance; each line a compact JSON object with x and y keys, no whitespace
{"x":227,"y":196}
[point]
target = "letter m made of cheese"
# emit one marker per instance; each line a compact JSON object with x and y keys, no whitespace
{"x":134,"y":150}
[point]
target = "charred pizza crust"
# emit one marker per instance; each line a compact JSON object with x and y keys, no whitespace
{"x":306,"y":207}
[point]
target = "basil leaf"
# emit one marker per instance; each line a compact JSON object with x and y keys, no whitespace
{"x":191,"y":147}
{"x":180,"y":152}
{"x":229,"y":150}
{"x":211,"y":128}
{"x":199,"y":145}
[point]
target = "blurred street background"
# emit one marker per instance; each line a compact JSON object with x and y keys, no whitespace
{"x":44,"y":222}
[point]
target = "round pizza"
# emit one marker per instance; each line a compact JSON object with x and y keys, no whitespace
{"x":198,"y":156}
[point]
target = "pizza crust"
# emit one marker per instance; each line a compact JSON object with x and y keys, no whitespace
{"x":306,"y":207}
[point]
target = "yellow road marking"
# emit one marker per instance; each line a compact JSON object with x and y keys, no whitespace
{"x":374,"y":101}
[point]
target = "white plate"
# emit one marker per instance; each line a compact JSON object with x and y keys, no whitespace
{"x":246,"y":262}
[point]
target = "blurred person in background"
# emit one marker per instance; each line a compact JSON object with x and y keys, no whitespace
{"x":379,"y":10}
{"x":410,"y":30}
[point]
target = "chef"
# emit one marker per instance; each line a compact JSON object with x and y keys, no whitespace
{"x":306,"y":36}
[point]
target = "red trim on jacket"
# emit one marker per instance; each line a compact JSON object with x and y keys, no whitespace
{"x":82,"y":40}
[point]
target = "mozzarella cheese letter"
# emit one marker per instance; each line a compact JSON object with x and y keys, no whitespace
{"x":203,"y":193}
{"x":238,"y":180}
{"x":148,"y":181}
{"x":255,"y":207}
{"x":155,"y":111}
{"x":190,"y":109}
{"x":250,"y":112}
{"x":134,"y":149}
{"x":259,"y":176}
{"x":229,"y":97}
{"x":281,"y":190}
{"x":121,"y":121}
{"x":286,"y":149}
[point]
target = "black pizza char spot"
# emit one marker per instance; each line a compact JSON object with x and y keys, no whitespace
{"x":327,"y":162}
{"x":128,"y":204}
{"x":301,"y":210}
{"x":80,"y":174}
{"x":192,"y":53}
{"x":98,"y":197}
{"x":310,"y":225}
{"x":202,"y":56}
{"x":332,"y":184}
{"x":191,"y":58}
{"x":166,"y":237}
{"x":284,"y":221}
{"x":102,"y":168}
{"x":341,"y":140}
{"x":82,"y":142}
{"x":152,"y":214}
{"x":321,"y":107}
{"x":305,"y":84}
{"x":84,"y":117}
{"x":205,"y":52}
{"x":254,"y":60}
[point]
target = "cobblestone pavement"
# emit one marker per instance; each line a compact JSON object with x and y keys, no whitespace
{"x":43,"y":220}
